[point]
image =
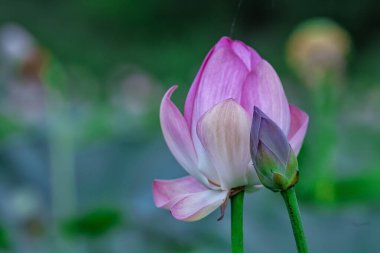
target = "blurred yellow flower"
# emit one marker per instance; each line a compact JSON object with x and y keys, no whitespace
{"x":317,"y":48}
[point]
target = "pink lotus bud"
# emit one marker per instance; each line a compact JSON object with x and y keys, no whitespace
{"x":211,"y":140}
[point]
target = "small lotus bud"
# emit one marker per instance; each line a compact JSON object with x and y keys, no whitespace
{"x":272,"y":156}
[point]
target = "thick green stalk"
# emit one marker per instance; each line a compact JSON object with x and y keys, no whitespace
{"x":237,"y":223}
{"x":295,"y":218}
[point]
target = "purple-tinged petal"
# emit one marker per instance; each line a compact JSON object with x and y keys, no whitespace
{"x":266,"y":134}
{"x":189,"y":104}
{"x":272,"y":156}
{"x":222,"y":78}
{"x":247,"y":54}
{"x":197,"y":205}
{"x":177,"y":134}
{"x":263,"y":89}
{"x":224,"y":133}
{"x":224,"y":42}
{"x":298,"y":127}
{"x":168,"y":192}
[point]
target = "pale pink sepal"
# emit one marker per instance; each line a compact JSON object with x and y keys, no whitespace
{"x":198,"y":205}
{"x":177,"y":134}
{"x":168,"y":192}
{"x":298,"y":127}
{"x":224,"y":132}
{"x":263,"y":89}
{"x":186,"y":198}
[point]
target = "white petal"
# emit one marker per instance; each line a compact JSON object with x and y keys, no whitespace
{"x":168,"y":192}
{"x":224,"y":132}
{"x":198,"y":205}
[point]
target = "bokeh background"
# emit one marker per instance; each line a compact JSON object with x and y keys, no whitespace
{"x":80,"y":141}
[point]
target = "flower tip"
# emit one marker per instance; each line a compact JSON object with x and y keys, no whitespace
{"x":170,"y":92}
{"x":224,"y":41}
{"x":156,"y":193}
{"x":172,"y":89}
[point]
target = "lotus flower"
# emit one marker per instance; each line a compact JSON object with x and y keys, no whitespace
{"x":211,"y":141}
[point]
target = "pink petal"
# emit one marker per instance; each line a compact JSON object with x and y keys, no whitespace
{"x":168,"y":192}
{"x":187,"y":199}
{"x":298,"y":127}
{"x":177,"y":134}
{"x":247,"y":54}
{"x":222,"y":78}
{"x":263,"y":89}
{"x":189,"y":104}
{"x":224,"y":132}
{"x":198,"y":205}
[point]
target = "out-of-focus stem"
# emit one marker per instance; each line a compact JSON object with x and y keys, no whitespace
{"x":62,"y":170}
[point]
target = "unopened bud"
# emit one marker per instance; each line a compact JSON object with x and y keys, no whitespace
{"x":272,"y":156}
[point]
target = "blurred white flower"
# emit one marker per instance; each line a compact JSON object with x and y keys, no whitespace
{"x":16,"y":44}
{"x":137,"y":92}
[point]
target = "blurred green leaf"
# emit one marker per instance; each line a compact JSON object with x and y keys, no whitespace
{"x":7,"y":127}
{"x":4,"y":240}
{"x":363,"y":188}
{"x":94,"y":223}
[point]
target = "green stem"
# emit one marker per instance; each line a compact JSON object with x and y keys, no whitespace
{"x":237,"y":223}
{"x":295,"y":218}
